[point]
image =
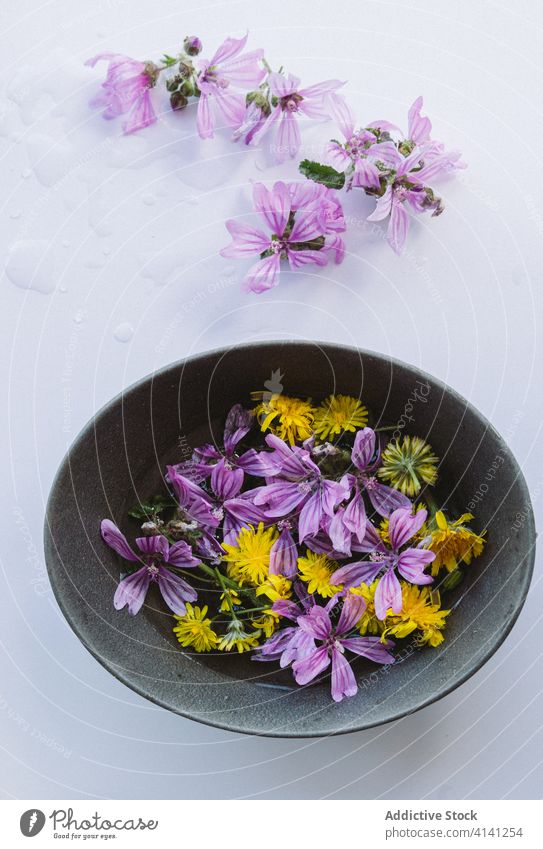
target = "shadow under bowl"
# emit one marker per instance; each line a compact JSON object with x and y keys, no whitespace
{"x":119,"y":460}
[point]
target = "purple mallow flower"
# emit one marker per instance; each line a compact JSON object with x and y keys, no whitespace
{"x":304,"y":224}
{"x":316,"y":643}
{"x":384,"y":562}
{"x":239,"y":422}
{"x":155,"y":555}
{"x":127,"y":89}
{"x":228,"y":68}
{"x":223,"y":506}
{"x":395,"y":170}
{"x":359,"y":155}
{"x":298,"y":487}
{"x":288,"y":103}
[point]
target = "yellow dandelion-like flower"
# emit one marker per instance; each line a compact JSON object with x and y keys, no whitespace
{"x":382,"y":530}
{"x":228,"y":598}
{"x":275,"y":588}
{"x":338,"y":414}
{"x":316,"y":570}
{"x":452,"y":542}
{"x":369,"y":623}
{"x":407,"y":463}
{"x":291,"y":419}
{"x":194,"y":629}
{"x":237,"y":638}
{"x":267,"y":622}
{"x":421,"y":611}
{"x":248,"y":561}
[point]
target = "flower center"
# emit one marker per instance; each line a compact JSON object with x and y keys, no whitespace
{"x":369,"y":482}
{"x":217,"y":513}
{"x":153,"y":571}
{"x":290,"y":102}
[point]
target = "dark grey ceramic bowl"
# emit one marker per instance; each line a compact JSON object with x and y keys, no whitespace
{"x":120,"y":457}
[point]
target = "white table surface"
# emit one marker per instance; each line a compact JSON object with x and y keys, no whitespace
{"x":111,"y":270}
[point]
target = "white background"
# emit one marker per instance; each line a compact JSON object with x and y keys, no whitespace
{"x":110,"y":247}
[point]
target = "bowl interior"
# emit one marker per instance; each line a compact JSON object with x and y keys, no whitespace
{"x":120,"y":459}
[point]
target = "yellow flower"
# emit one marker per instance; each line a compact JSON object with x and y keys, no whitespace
{"x":421,"y":612}
{"x":267,"y":622}
{"x":236,"y":637}
{"x":249,"y":560}
{"x":193,"y":629}
{"x":369,"y":623}
{"x":275,"y":587}
{"x":316,"y":570}
{"x":452,"y":542}
{"x":382,"y":530}
{"x":227,"y":595}
{"x":407,"y":464}
{"x":291,"y":419}
{"x":338,"y":414}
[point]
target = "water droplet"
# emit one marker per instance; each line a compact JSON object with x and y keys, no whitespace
{"x":26,"y":173}
{"x":15,"y":213}
{"x":30,"y":265}
{"x":65,"y":243}
{"x":79,"y":317}
{"x":123,"y":332}
{"x":106,"y":251}
{"x":62,"y":288}
{"x":148,"y":200}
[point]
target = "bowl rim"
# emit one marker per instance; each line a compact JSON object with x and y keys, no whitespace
{"x":51,"y":555}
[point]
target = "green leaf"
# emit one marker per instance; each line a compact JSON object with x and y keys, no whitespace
{"x":324,"y":174}
{"x":152,"y":507}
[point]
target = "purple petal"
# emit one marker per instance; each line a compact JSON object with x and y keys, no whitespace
{"x":175,"y":591}
{"x":308,"y":224}
{"x":204,"y":119}
{"x":354,"y":574}
{"x":230,"y":105}
{"x":273,"y":205}
{"x":398,"y":227}
{"x":419,"y":128}
{"x":308,"y":668}
{"x":341,"y":113}
{"x":279,"y":499}
{"x":370,"y":647}
{"x":287,"y":609}
{"x":297,"y":259}
{"x":132,"y":591}
{"x":310,"y":517}
{"x":283,"y":555}
{"x":363,"y":448}
{"x":244,"y":71}
{"x":403,"y":525}
{"x":282,"y":86}
{"x":388,"y":595}
{"x":157,"y":544}
{"x":226,"y":481}
{"x":336,"y":156}
{"x":339,"y":533}
{"x":343,"y":680}
{"x":263,"y":275}
{"x":317,"y":623}
{"x":411,"y":565}
{"x":247,"y":240}
{"x":386,"y":500}
{"x":239,"y":422}
{"x":180,"y":554}
{"x":352,"y":610}
{"x":116,"y":540}
{"x":355,"y":516}
{"x":382,"y":207}
{"x":288,"y":138}
{"x":367,"y":175}
{"x":228,"y":49}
